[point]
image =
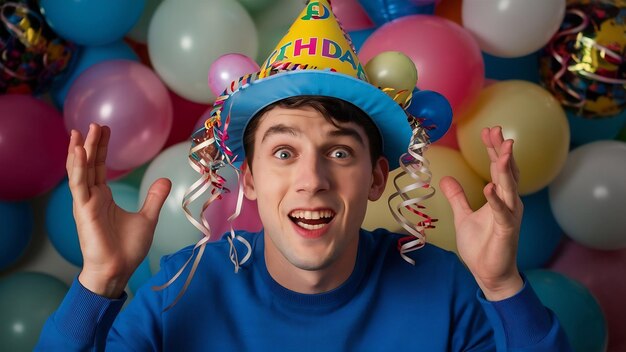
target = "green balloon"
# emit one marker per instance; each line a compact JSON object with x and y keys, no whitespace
{"x":134,"y":177}
{"x":27,"y":299}
{"x":392,"y":69}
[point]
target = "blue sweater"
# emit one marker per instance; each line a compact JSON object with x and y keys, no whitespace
{"x":386,"y":304}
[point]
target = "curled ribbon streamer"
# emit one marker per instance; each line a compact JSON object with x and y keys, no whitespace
{"x":414,"y":164}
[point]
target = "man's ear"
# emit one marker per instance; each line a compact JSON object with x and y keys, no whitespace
{"x":380,"y":173}
{"x":248,"y":181}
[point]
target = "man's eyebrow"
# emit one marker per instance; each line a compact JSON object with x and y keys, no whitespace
{"x":347,"y":132}
{"x":280,"y":129}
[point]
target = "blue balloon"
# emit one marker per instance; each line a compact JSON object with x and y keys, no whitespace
{"x":383,"y":11}
{"x":140,"y":276}
{"x":92,"y":22}
{"x":578,"y":311}
{"x":17,"y":230}
{"x":60,"y":223}
{"x":435,"y":109}
{"x":523,"y":68}
{"x":87,"y":57}
{"x":540,"y":234}
{"x":359,"y":37}
{"x":585,"y":130}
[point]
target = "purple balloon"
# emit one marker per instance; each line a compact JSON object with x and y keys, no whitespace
{"x":129,"y":98}
{"x":227,"y":68}
{"x":33,"y":147}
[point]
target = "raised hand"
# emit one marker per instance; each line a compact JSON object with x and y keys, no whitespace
{"x":113,"y":241}
{"x":487,"y":238}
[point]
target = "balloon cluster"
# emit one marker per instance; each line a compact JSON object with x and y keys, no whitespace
{"x":584,"y":65}
{"x":31,"y":54}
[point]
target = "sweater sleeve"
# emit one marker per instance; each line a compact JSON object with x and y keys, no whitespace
{"x":523,"y":323}
{"x":81,"y":323}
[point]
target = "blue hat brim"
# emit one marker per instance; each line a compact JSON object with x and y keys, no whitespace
{"x":387,"y":115}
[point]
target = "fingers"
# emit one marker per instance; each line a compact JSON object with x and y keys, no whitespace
{"x":157,"y":194}
{"x":91,"y":146}
{"x":504,"y":171}
{"x":78,"y":176}
{"x":101,"y":155}
{"x":501,"y":211}
{"x":75,"y":139}
{"x":456,"y":196}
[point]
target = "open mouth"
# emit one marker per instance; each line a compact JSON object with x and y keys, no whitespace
{"x":312,"y":219}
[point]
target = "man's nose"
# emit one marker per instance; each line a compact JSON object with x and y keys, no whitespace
{"x":312,"y":175}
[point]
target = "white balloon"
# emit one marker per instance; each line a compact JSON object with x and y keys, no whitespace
{"x":512,"y":28}
{"x":588,"y":197}
{"x":186,"y":36}
{"x":173,"y":230}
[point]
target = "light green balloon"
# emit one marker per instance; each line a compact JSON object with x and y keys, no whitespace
{"x":173,"y":230}
{"x":392,"y":69}
{"x":186,"y":36}
{"x":273,"y":22}
{"x":27,"y":299}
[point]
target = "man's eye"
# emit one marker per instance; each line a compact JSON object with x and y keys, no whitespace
{"x":340,"y":153}
{"x":282,"y":154}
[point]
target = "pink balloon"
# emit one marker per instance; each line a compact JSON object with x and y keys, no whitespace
{"x":602,"y":272}
{"x":186,"y":113}
{"x":129,"y":98}
{"x":351,"y":15}
{"x":218,"y":212}
{"x":33,"y":147}
{"x":447,"y":57}
{"x":227,"y":68}
{"x":113,"y":175}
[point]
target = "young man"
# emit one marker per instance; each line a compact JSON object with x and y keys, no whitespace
{"x":317,"y":145}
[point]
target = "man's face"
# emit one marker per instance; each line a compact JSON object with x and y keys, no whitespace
{"x":312,"y":181}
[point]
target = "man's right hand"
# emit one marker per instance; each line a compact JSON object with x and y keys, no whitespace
{"x":113,"y":241}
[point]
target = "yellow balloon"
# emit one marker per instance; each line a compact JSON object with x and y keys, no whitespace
{"x":443,"y":162}
{"x":530,"y":116}
{"x":393,"y":69}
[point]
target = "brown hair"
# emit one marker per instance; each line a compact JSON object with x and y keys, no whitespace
{"x":333,"y":109}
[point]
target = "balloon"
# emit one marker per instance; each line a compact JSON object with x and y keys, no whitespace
{"x":578,"y":311}
{"x":385,"y":11}
{"x":32,"y":55}
{"x":449,"y":139}
{"x":228,"y":68}
{"x":393,"y":69}
{"x":89,"y":56}
{"x":589,"y":195}
{"x":351,"y":15}
{"x":443,"y":162}
{"x":139,"y":33}
{"x":17,"y":230}
{"x":92,"y":22}
{"x":185,"y":37}
{"x":512,"y":28}
{"x":60,"y":224}
{"x":540,"y":234}
{"x":529,"y":115}
{"x":524,"y":68}
{"x":583,"y":65}
{"x":447,"y":57}
{"x":186,"y":113}
{"x":434,"y":109}
{"x":130,"y":99}
{"x":602,"y":272}
{"x":27,"y":299}
{"x":141,"y":275}
{"x":173,"y":230}
{"x":450,"y":10}
{"x":134,"y":177}
{"x":255,"y":6}
{"x":33,"y":147}
{"x":584,"y":130}
{"x":273,"y":22}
